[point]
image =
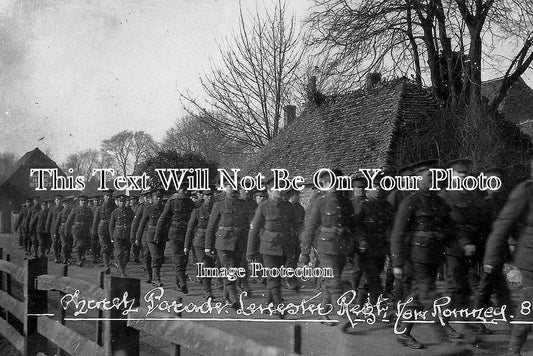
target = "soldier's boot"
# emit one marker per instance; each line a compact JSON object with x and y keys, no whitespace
{"x":41,"y":250}
{"x":206,"y":282}
{"x":406,"y":339}
{"x":518,"y":338}
{"x":157,"y":277}
{"x":35,"y":250}
{"x":107,"y":269}
{"x":57,"y":253}
{"x":150,"y":278}
{"x":80,"y":259}
{"x":389,"y":284}
{"x":446,"y":333}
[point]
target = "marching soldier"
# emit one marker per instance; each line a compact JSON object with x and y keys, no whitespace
{"x":493,"y":282}
{"x":64,"y":233}
{"x":421,"y":229}
{"x":134,"y":202}
{"x":462,"y":278}
{"x":334,"y":214}
{"x":392,"y":288}
{"x":80,"y":219}
{"x":32,"y":235}
{"x":178,"y":210}
{"x":359,"y":196}
{"x":249,"y":207}
{"x":517,"y":212}
{"x":272,"y":235}
{"x":53,"y":229}
{"x":195,"y":237}
{"x":224,"y":231}
{"x":19,"y":224}
{"x":100,"y":226}
{"x":119,"y":230}
{"x":294,"y":252}
{"x":144,"y":202}
{"x":95,"y":244}
{"x":152,"y":249}
{"x":375,"y":218}
{"x":38,"y":224}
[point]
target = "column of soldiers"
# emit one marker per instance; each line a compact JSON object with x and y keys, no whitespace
{"x":407,"y":235}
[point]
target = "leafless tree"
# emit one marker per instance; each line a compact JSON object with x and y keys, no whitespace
{"x":254,"y":79}
{"x":191,"y":134}
{"x":127,"y":149}
{"x":447,"y":41}
{"x":83,"y":162}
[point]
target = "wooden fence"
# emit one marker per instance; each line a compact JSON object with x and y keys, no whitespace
{"x":29,"y":327}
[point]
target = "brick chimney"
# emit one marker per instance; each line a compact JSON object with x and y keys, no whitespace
{"x":372,"y":79}
{"x":289,"y":114}
{"x":311,"y":89}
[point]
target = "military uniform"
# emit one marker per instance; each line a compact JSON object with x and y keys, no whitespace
{"x":493,"y":282}
{"x":272,"y":235}
{"x":517,"y":211}
{"x":462,"y":276}
{"x":119,"y":230}
{"x":178,"y":211}
{"x":19,"y":223}
{"x":334,"y":213}
{"x":152,"y":248}
{"x":80,"y":219}
{"x":95,"y":243}
{"x":225,"y":230}
{"x":30,"y":228}
{"x":195,"y":238}
{"x":375,"y":219}
{"x":422,"y":227}
{"x":249,"y":210}
{"x":64,"y":233}
{"x":38,"y":225}
{"x":53,"y":228}
{"x":358,"y":260}
{"x":100,"y":226}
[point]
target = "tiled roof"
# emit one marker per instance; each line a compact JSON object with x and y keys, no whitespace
{"x":351,"y":131}
{"x":517,"y":106}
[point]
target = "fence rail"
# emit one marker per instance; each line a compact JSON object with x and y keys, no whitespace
{"x":115,"y":333}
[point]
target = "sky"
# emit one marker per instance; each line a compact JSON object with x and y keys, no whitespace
{"x":75,"y":72}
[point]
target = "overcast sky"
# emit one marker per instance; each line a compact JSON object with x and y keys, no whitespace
{"x":75,"y":72}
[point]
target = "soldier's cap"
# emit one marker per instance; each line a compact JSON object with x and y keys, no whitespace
{"x":133,"y":197}
{"x":208,"y":192}
{"x":96,"y":197}
{"x":68,"y":199}
{"x":358,"y":179}
{"x":28,"y":199}
{"x":292,"y":192}
{"x":58,"y":196}
{"x":148,"y":192}
{"x":121,"y":197}
{"x":37,"y":197}
{"x":83,"y":197}
{"x":378,"y":178}
{"x":404,"y":170}
{"x":158,"y":192}
{"x":424,"y":165}
{"x":269,"y":181}
{"x":465,"y":162}
{"x":44,"y":202}
{"x":108,"y":192}
{"x":494,"y":171}
{"x":261,"y":193}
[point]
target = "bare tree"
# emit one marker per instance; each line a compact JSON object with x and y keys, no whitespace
{"x":448,"y":42}
{"x":127,"y":149}
{"x":83,"y":162}
{"x":254,"y":79}
{"x":191,"y":134}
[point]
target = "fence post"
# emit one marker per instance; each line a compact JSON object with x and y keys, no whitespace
{"x":297,"y":339}
{"x":35,"y":302}
{"x":119,"y":338}
{"x":100,"y":313}
{"x":62,"y":311}
{"x":7,"y":284}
